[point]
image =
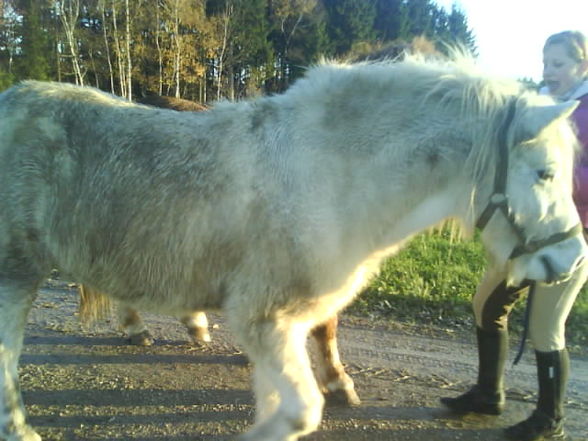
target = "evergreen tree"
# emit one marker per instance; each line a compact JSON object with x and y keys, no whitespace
{"x":391,"y":20}
{"x":406,"y":19}
{"x":298,"y":35}
{"x":33,"y":62}
{"x":459,"y":30}
{"x":349,"y":22}
{"x":207,"y":49}
{"x":251,"y":51}
{"x":419,"y":14}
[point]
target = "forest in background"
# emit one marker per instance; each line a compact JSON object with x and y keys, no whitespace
{"x":205,"y":50}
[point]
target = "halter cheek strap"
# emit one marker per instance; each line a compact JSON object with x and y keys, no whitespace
{"x":499,"y":199}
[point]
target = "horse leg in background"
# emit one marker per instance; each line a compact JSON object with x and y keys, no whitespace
{"x":335,"y":384}
{"x":133,"y":325}
{"x":197,"y":326}
{"x":15,"y":303}
{"x":94,"y":305}
{"x":288,"y":400}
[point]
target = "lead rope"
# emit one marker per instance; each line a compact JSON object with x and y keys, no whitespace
{"x":526,"y":321}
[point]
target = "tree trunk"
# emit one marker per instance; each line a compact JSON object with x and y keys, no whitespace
{"x":128,"y":51}
{"x":119,"y":60}
{"x":177,"y":49}
{"x":226,"y":26}
{"x":69,"y":12}
{"x":158,"y":46}
{"x":102,"y":6}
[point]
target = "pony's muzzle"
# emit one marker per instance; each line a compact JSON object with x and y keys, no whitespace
{"x":555,"y":276}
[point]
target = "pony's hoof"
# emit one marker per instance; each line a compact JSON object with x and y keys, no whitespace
{"x":143,"y":338}
{"x":200,"y":337}
{"x":342,"y":398}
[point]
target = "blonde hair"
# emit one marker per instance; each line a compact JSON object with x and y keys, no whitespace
{"x":575,"y":43}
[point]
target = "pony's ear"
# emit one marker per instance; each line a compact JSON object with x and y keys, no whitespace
{"x":538,"y":118}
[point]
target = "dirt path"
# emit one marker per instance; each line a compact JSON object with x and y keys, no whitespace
{"x":89,"y":385}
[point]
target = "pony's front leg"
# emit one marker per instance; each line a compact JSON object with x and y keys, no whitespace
{"x":288,"y":399}
{"x":337,"y":386}
{"x":15,"y":303}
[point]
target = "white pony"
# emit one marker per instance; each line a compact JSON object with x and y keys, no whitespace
{"x":276,"y":210}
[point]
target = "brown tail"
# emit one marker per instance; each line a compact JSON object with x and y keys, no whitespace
{"x":93,"y":305}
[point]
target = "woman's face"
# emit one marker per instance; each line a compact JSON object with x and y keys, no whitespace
{"x":561,"y":72}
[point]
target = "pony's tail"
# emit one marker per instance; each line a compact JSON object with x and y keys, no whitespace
{"x":93,"y":305}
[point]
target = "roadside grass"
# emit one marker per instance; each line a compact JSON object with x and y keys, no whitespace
{"x":432,"y":280}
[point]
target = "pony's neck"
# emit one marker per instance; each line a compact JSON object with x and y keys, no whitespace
{"x":449,"y":202}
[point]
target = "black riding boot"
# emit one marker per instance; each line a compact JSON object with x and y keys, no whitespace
{"x":487,"y":396}
{"x":546,"y":422}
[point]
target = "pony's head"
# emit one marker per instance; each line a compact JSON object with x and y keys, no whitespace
{"x":527,"y":215}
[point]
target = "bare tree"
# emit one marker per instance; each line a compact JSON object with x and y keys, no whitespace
{"x":69,"y":12}
{"x":177,"y":47}
{"x":158,"y":46}
{"x":129,"y":63}
{"x":223,"y":22}
{"x":102,"y":10}
{"x":118,"y":51}
{"x":8,"y":36}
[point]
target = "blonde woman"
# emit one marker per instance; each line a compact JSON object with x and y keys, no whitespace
{"x":565,"y":74}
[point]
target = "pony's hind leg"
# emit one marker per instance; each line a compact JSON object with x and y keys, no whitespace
{"x":133,"y":325}
{"x":289,"y":402}
{"x":15,"y":303}
{"x":197,"y":326}
{"x":337,"y":386}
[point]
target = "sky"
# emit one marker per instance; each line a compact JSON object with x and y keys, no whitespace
{"x":510,"y":33}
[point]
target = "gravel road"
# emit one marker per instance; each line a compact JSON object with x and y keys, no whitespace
{"x":88,"y":384}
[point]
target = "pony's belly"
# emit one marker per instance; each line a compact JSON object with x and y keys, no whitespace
{"x":164,"y":295}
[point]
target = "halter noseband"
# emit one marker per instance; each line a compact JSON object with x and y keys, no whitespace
{"x":499,"y":201}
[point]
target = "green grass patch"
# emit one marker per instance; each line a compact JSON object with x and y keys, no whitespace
{"x":432,"y":281}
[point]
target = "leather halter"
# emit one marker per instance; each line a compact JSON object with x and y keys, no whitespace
{"x":499,"y":201}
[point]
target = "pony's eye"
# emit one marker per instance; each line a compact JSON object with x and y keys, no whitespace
{"x":545,"y":175}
